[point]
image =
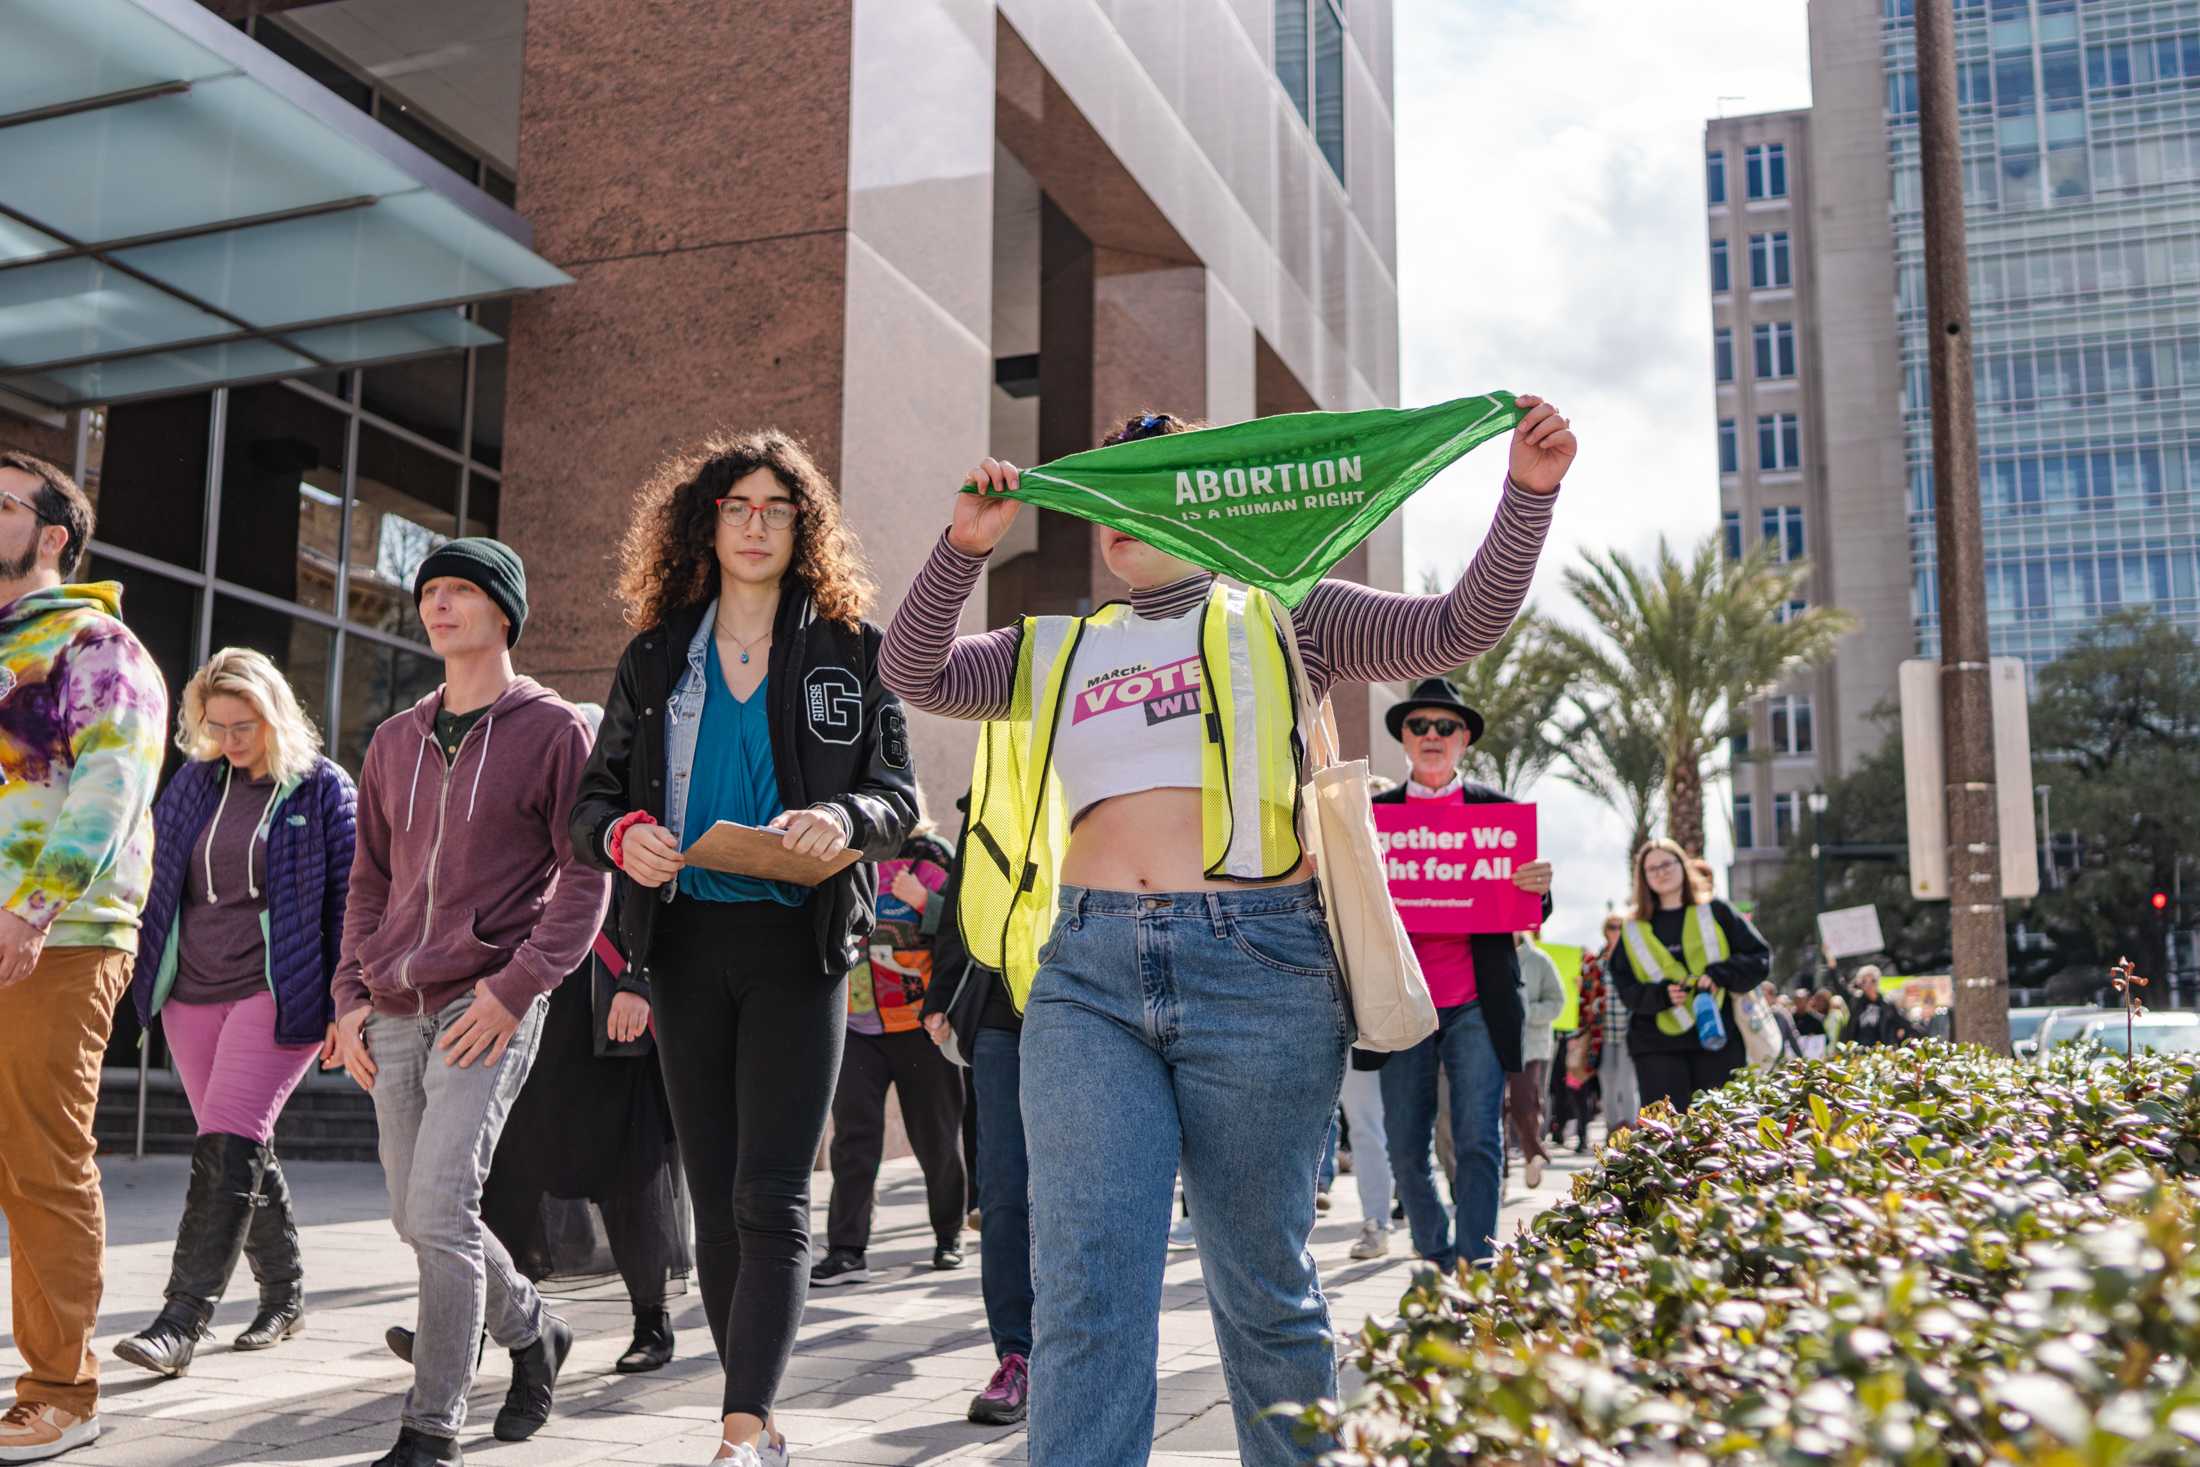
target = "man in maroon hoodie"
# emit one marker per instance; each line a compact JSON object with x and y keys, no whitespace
{"x":467,"y":906}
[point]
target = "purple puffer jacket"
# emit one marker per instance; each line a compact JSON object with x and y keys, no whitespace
{"x":309,"y":848}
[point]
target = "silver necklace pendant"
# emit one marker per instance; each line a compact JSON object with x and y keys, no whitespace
{"x":744,"y":659}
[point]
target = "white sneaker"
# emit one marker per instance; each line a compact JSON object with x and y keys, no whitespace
{"x":1181,"y":1235}
{"x":1374,"y":1241}
{"x":769,"y":1454}
{"x":1535,"y":1173}
{"x":32,"y":1431}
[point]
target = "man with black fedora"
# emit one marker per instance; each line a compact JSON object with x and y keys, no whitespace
{"x":1475,"y":982}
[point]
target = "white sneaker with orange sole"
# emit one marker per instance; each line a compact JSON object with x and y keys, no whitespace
{"x":32,"y":1431}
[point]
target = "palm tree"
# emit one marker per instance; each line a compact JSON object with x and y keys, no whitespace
{"x":1615,"y":750}
{"x":1693,"y":639}
{"x":1518,"y":687}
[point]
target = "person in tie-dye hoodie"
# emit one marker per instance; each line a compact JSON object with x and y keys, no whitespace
{"x":83,"y":713}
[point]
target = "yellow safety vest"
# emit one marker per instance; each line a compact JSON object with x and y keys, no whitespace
{"x":1703,"y":942}
{"x":1019,"y":826}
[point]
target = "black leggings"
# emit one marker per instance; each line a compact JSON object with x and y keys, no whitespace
{"x":1680,"y":1075}
{"x":749,"y":1034}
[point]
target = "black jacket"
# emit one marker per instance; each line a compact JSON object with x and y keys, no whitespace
{"x":838,"y":738}
{"x":1748,"y":963}
{"x":1496,"y":960}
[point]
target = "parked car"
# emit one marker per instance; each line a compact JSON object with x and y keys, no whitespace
{"x":2062,"y":1026}
{"x":2165,"y":1032}
{"x":2025,"y":1025}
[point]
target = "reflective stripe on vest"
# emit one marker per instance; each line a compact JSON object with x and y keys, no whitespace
{"x":1019,"y":826}
{"x":1703,"y":942}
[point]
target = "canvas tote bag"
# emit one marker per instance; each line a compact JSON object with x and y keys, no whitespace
{"x":1390,"y":998}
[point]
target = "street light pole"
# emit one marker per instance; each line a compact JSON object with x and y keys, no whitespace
{"x":1975,"y":919}
{"x":1816,"y":799}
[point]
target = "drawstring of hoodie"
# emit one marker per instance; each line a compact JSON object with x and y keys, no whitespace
{"x":251,"y":848}
{"x":488,"y":730}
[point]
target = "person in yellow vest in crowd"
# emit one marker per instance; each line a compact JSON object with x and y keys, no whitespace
{"x":1134,"y":871}
{"x":1682,"y":941}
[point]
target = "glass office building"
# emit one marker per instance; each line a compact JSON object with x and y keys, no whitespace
{"x":2081,"y":143}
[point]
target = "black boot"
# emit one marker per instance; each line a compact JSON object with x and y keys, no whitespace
{"x":400,"y":1341}
{"x":225,"y":1177}
{"x":271,"y":1248}
{"x":418,"y":1449}
{"x":534,"y":1379}
{"x":652,"y":1347}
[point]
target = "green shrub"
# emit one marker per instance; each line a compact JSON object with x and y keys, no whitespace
{"x":1926,"y":1256}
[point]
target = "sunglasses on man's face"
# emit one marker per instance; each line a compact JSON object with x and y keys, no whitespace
{"x":1443,"y":728}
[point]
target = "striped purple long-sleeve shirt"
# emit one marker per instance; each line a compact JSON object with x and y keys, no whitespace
{"x":1346,"y":631}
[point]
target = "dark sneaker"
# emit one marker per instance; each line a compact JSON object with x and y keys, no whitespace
{"x":400,"y":1341}
{"x":947,"y":1255}
{"x":534,"y":1380}
{"x":418,"y":1449}
{"x":840,"y":1267}
{"x":1006,"y":1397}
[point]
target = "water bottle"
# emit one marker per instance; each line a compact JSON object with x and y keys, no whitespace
{"x":1710,"y":1031}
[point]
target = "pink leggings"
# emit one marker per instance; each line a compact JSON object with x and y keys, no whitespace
{"x":236,"y":1075}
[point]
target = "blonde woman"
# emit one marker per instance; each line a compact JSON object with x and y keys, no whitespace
{"x":252,"y":852}
{"x":1682,"y":941}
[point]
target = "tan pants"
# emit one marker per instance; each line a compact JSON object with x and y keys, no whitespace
{"x":56,"y":1024}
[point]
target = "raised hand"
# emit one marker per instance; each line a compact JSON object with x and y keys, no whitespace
{"x":1543,"y":446}
{"x":981,"y":519}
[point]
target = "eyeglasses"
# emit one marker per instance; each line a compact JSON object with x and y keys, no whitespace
{"x":35,"y":512}
{"x":1660,"y":868}
{"x":222,"y":733}
{"x":1443,"y":728}
{"x":778,"y":514}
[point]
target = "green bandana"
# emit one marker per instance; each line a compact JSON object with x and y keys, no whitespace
{"x":1275,"y":502}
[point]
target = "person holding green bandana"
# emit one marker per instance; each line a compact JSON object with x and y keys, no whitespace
{"x":1682,"y":942}
{"x":1134,"y":872}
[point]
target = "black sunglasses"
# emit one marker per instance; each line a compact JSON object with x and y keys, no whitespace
{"x":1443,"y":728}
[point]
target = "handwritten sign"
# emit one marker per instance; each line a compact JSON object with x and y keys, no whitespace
{"x":1450,"y":867}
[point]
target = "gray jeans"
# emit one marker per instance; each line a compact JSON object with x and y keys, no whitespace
{"x":439,"y":1126}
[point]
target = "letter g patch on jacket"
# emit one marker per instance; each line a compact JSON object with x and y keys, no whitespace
{"x":835,"y":702}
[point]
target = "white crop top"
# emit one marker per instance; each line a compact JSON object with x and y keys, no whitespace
{"x":1130,"y":712}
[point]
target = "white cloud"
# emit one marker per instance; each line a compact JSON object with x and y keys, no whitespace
{"x":1551,"y":239}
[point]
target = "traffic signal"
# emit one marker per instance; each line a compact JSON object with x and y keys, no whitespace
{"x":2159,"y":901}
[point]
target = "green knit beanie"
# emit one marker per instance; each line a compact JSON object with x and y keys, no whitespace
{"x":490,"y":564}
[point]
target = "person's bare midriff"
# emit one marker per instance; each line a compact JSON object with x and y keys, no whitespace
{"x":1149,"y":841}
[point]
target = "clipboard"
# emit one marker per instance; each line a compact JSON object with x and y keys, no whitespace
{"x":746,"y":850}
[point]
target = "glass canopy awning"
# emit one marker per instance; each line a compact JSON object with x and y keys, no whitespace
{"x":181,"y":208}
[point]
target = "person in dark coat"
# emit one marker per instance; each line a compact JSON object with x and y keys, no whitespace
{"x":251,"y":859}
{"x":1475,"y":982}
{"x":1682,"y":942}
{"x":1879,"y":1021}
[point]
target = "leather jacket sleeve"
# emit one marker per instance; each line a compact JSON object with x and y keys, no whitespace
{"x":602,"y":798}
{"x":882,"y":805}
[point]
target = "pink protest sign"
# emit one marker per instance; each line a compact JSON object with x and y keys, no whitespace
{"x":1451,"y":866}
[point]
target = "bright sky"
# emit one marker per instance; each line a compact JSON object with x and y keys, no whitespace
{"x":1551,"y":239}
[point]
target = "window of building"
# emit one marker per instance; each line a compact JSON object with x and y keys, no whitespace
{"x":1715,"y":176}
{"x":1745,"y":822}
{"x":1768,"y":261}
{"x":1779,"y":441}
{"x":1902,"y":96}
{"x":1791,"y":611}
{"x":342,"y":481}
{"x":1786,"y":816}
{"x":1722,"y":279}
{"x":1722,"y":354}
{"x":1775,"y":344}
{"x":1730,"y":447}
{"x":1731,"y":523}
{"x":1767,"y":169}
{"x":1791,"y":732}
{"x":1310,"y":65}
{"x":1783,"y":526}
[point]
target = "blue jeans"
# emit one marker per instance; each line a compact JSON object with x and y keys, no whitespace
{"x":1461,"y":1044}
{"x":1004,"y":1191}
{"x":1201,"y":1028}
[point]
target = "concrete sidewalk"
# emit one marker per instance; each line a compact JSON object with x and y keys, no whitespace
{"x":883,"y":1372}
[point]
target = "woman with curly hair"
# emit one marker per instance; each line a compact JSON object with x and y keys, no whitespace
{"x":750,"y":694}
